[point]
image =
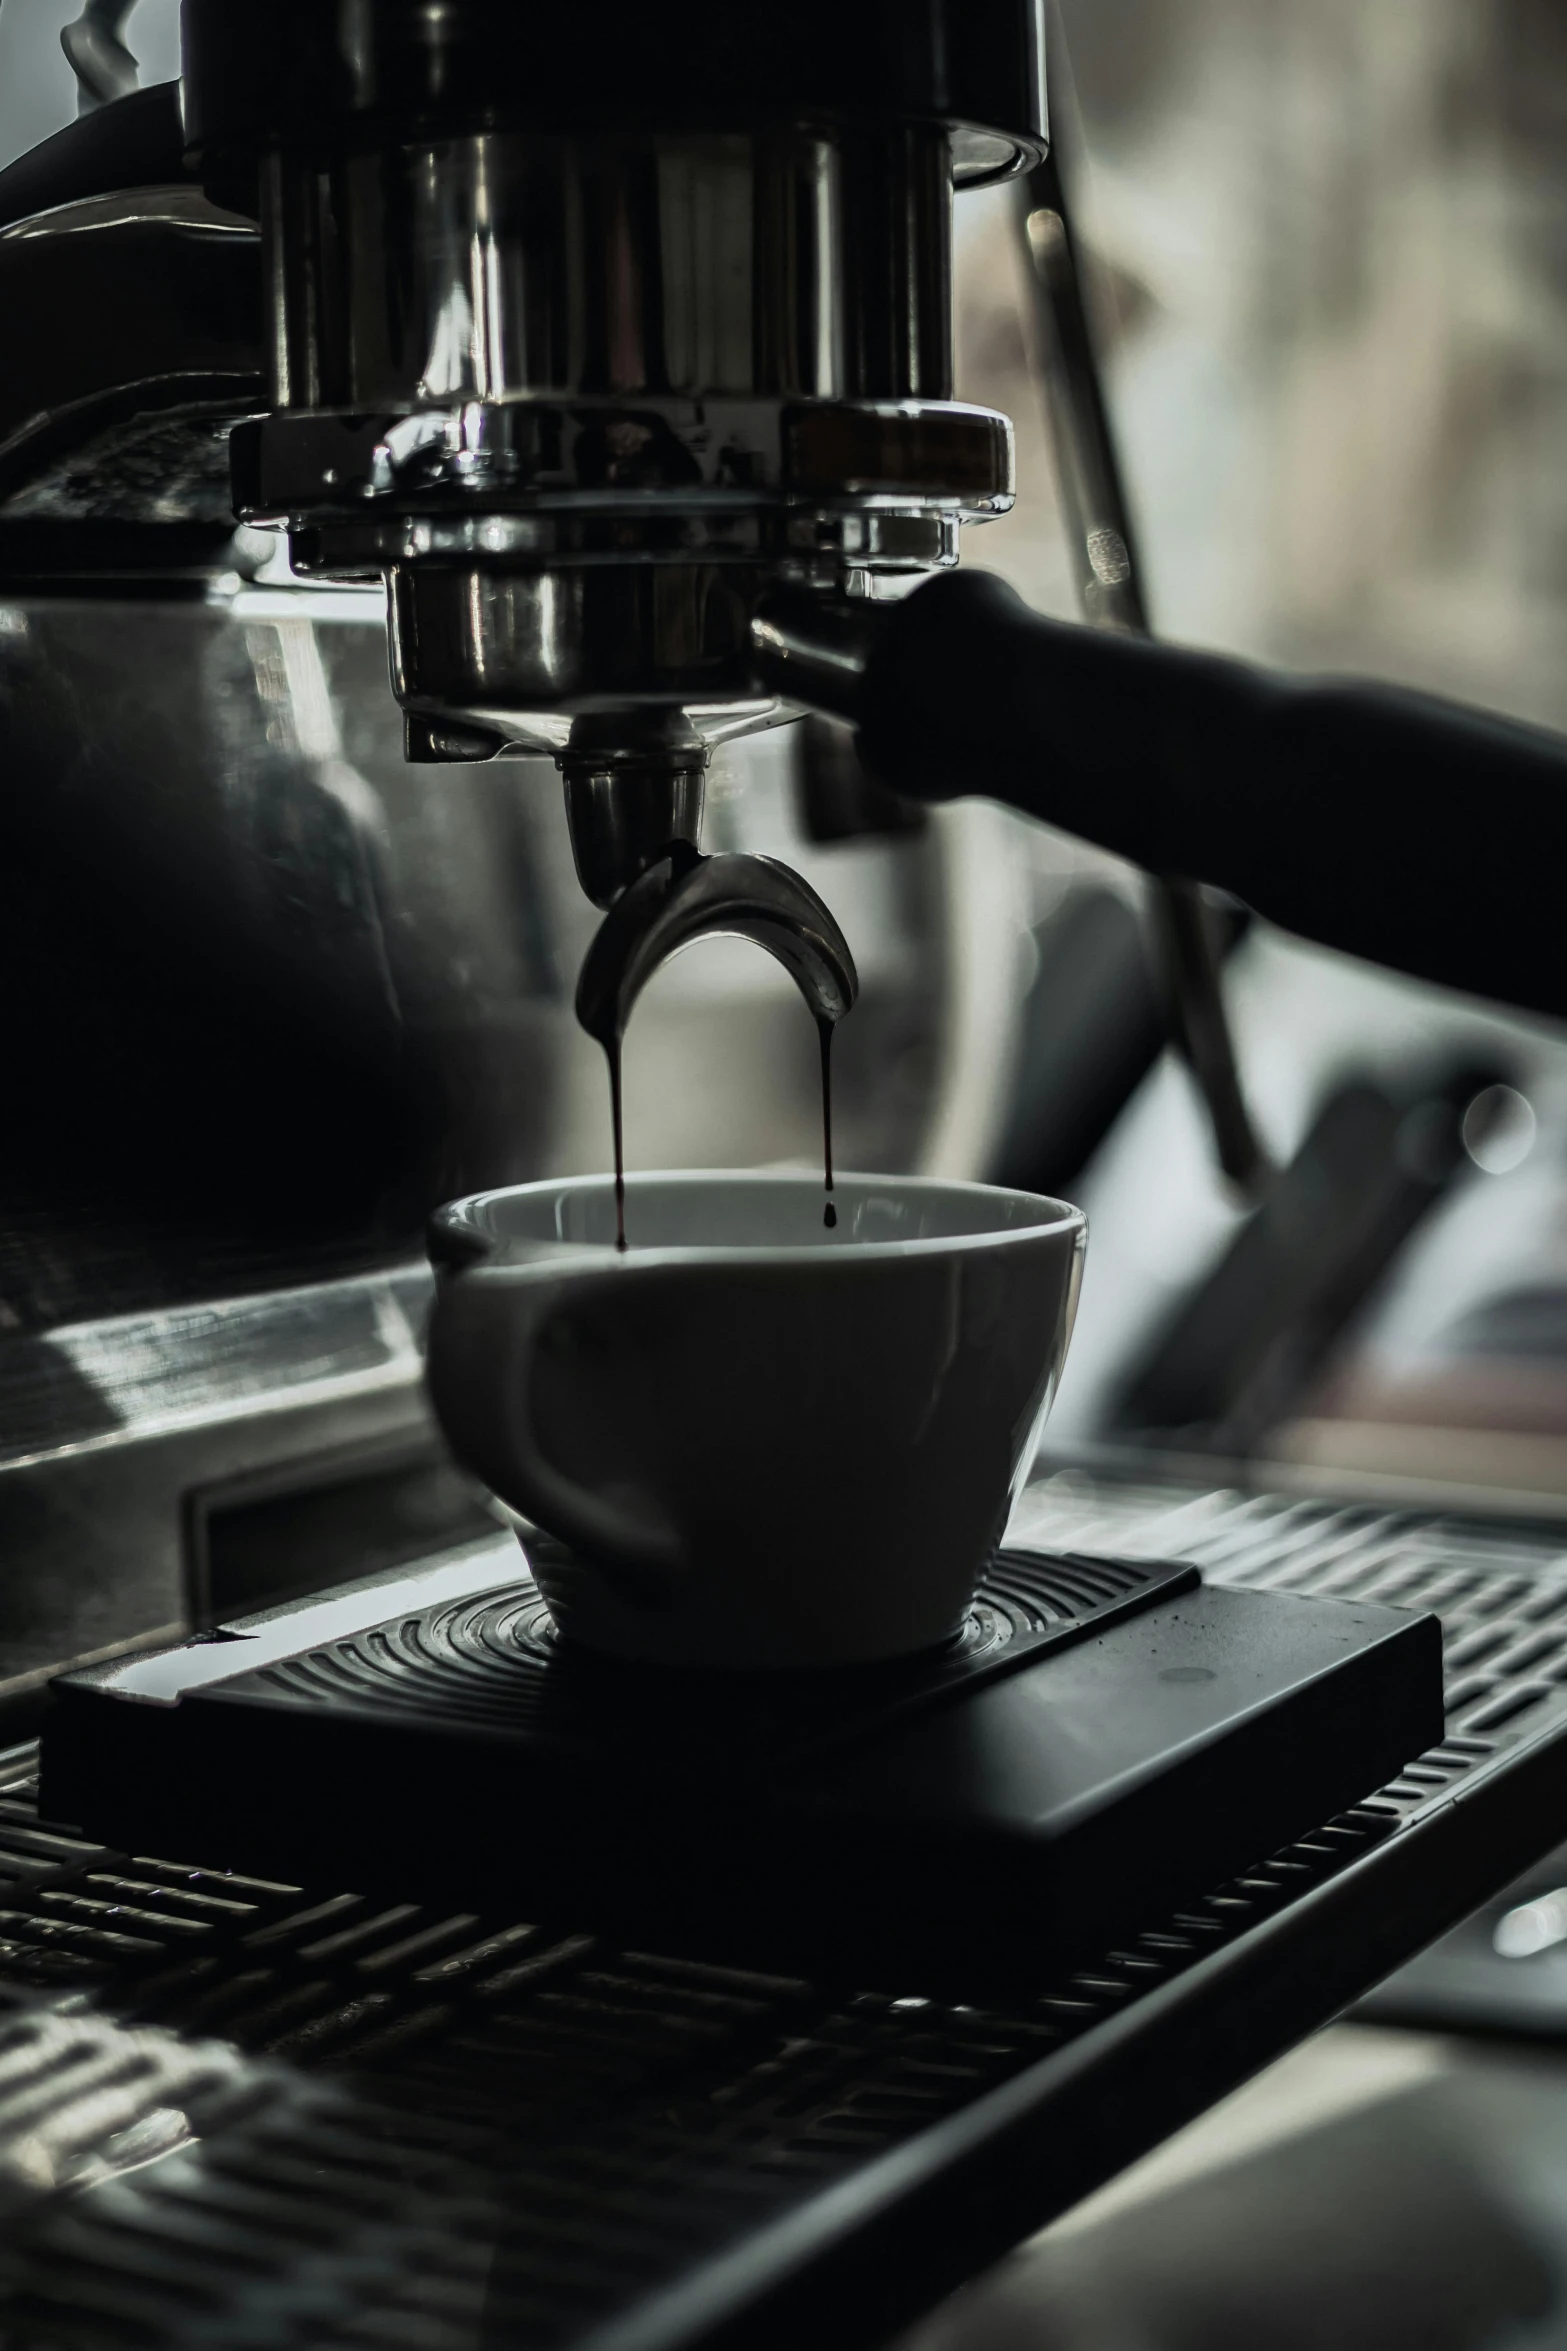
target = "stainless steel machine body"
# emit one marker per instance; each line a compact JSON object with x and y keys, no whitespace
{"x":581,"y":348}
{"x":578,"y":396}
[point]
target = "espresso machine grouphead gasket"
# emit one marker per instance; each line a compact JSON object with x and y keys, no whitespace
{"x":1103,"y":1739}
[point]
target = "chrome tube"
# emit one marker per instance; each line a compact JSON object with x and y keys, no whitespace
{"x":582,"y":396}
{"x":1110,"y":593}
{"x":781,"y":262}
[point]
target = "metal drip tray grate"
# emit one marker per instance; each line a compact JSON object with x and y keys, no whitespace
{"x":240,"y":2112}
{"x":325,"y":2080}
{"x":1501,"y":1593}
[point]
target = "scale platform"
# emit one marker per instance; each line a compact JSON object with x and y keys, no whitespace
{"x":1104,"y":1738}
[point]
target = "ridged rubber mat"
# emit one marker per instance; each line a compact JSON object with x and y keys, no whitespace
{"x":494,"y":1659}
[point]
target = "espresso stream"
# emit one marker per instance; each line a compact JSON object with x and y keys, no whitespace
{"x":824,"y":1030}
{"x":612,"y":1051}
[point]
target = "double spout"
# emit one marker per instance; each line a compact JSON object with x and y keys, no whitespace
{"x":634,"y":825}
{"x":634,"y":787}
{"x":685,"y":896}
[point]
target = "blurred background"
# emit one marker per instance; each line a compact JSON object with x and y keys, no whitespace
{"x":1329,"y":249}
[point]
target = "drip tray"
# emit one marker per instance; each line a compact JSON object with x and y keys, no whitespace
{"x":1104,"y":1739}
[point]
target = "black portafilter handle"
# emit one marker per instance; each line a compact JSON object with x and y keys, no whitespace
{"x":1392,"y":825}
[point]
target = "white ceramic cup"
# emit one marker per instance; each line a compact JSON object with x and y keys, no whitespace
{"x":763,"y":1443}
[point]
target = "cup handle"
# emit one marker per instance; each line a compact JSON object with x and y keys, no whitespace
{"x":483,"y":1335}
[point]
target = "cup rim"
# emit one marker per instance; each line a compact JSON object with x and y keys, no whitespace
{"x":458,"y":1238}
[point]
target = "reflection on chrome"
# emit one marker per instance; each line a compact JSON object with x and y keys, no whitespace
{"x":1533,"y":1927}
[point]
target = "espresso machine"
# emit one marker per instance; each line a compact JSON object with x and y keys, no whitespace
{"x":619,"y":387}
{"x":273,"y":992}
{"x":608,"y":353}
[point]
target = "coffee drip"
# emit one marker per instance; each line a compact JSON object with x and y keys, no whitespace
{"x":617,"y":1120}
{"x":683,"y":897}
{"x":824,"y":1030}
{"x":612,"y":1051}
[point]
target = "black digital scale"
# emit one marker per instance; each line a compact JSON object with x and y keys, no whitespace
{"x":1103,"y":1739}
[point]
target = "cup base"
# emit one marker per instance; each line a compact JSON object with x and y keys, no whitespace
{"x":591,"y":1615}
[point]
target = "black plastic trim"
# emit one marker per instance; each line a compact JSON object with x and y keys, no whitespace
{"x":136,"y":142}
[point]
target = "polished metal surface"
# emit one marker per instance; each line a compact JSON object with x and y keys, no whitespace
{"x":785,"y":263}
{"x":132,"y":342}
{"x":581,"y":396}
{"x":1110,"y":592}
{"x":522,"y":654}
{"x":686,"y":897}
{"x":631,"y":794}
{"x":814,"y":650}
{"x":114,"y":1430}
{"x":663,"y":476}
